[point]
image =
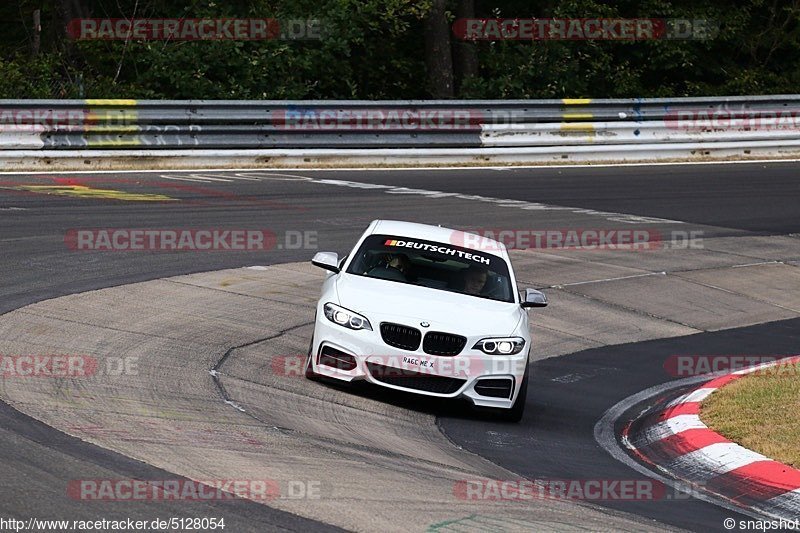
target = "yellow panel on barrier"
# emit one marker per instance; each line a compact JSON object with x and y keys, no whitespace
{"x":111,"y":102}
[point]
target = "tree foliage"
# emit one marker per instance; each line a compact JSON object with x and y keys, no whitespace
{"x":376,"y":49}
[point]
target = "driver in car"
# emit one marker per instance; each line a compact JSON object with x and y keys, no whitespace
{"x":475,"y":279}
{"x":401,"y":262}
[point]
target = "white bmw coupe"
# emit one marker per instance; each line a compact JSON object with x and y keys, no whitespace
{"x":427,"y":310}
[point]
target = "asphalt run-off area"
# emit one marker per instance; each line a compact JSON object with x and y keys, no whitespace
{"x":175,"y":305}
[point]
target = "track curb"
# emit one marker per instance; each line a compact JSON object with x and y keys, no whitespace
{"x":675,"y":440}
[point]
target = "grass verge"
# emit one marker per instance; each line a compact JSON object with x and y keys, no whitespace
{"x":761,"y":412}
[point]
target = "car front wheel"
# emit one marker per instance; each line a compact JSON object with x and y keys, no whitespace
{"x":310,"y":374}
{"x":518,"y":409}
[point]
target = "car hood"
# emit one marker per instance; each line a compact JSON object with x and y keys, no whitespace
{"x":382,"y":301}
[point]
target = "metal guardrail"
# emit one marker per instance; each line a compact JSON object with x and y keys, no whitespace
{"x":387,"y":132}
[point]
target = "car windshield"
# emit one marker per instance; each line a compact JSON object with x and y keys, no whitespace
{"x":434,"y":265}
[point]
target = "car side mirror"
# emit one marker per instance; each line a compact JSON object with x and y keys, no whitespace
{"x":532,"y":298}
{"x":327,"y":261}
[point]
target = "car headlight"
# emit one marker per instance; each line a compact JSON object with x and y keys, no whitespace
{"x":345,"y":317}
{"x":500,"y":346}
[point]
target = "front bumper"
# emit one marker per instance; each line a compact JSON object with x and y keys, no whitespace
{"x":472,"y":374}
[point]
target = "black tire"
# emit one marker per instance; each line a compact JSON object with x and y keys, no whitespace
{"x":518,"y":409}
{"x":310,"y":374}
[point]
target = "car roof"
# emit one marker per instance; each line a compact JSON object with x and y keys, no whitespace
{"x":427,"y":232}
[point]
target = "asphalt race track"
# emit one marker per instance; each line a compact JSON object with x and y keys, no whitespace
{"x":560,"y":428}
{"x":615,"y":317}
